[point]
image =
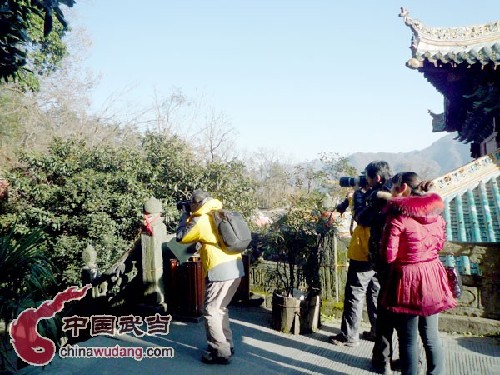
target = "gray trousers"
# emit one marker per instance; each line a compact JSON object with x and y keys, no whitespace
{"x":218,"y":294}
{"x":361,"y":283}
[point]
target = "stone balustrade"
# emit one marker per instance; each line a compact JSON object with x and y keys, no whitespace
{"x":460,"y":179}
{"x":482,"y":290}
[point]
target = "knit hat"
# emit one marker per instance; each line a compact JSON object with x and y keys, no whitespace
{"x":152,"y":206}
{"x":199,"y":195}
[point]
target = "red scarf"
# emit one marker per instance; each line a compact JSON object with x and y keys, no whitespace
{"x":147,"y":224}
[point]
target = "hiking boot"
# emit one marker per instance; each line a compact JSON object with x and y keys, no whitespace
{"x":212,"y":350}
{"x":341,"y":340}
{"x":382,"y":368}
{"x":212,"y":359}
{"x":368,"y":336}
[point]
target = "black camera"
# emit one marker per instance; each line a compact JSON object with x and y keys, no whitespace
{"x":353,"y":181}
{"x":184,"y":205}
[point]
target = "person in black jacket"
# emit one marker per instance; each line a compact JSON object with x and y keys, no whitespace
{"x":361,"y":281}
{"x":378,"y":174}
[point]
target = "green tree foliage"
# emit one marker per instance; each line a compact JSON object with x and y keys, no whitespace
{"x":173,"y":170}
{"x":293,"y":240}
{"x":79,"y":195}
{"x":93,"y":195}
{"x":231,"y":184}
{"x":10,"y":108}
{"x":31,"y":42}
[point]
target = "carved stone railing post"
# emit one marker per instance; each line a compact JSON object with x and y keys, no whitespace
{"x":89,"y":270}
{"x":153,"y":236}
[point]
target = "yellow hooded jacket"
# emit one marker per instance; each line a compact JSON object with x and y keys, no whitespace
{"x":218,"y":263}
{"x":358,"y":247}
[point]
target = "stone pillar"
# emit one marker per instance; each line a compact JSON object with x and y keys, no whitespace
{"x":153,"y":235}
{"x":89,"y":270}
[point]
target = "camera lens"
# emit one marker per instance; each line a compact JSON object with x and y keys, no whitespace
{"x":352,"y":181}
{"x":347,"y":181}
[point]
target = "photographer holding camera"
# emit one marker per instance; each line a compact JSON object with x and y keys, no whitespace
{"x":378,"y":174}
{"x":361,"y":278}
{"x":223,"y":271}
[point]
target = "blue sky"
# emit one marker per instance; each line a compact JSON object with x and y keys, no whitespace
{"x":294,"y":77}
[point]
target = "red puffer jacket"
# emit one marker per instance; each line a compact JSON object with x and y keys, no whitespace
{"x":414,"y":234}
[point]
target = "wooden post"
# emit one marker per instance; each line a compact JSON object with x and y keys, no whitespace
{"x":310,"y":314}
{"x":243,"y":292}
{"x":285,"y":313}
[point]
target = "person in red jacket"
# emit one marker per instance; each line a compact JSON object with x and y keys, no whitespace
{"x":417,"y":288}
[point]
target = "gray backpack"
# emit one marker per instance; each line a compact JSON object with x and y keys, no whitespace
{"x":232,"y":229}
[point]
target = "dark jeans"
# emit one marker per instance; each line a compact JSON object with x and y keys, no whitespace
{"x":382,"y":350}
{"x":408,"y":327}
{"x":361,"y":283}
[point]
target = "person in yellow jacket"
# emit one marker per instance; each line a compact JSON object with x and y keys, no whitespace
{"x":222,"y":269}
{"x":361,"y":281}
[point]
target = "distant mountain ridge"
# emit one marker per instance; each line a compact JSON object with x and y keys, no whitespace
{"x":441,"y":157}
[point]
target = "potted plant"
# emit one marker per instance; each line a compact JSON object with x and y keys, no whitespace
{"x":293,"y":241}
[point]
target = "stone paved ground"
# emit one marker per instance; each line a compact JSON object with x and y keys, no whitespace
{"x":260,"y":350}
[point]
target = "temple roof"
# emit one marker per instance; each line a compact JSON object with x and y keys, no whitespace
{"x":461,"y":63}
{"x":468,"y":45}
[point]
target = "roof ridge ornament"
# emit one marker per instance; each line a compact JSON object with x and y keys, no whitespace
{"x":462,"y":34}
{"x":405,"y":14}
{"x":415,"y":25}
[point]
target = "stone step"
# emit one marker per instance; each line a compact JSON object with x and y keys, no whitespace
{"x":469,"y":325}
